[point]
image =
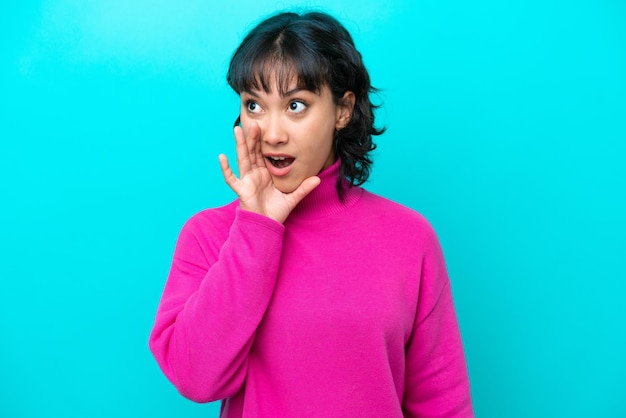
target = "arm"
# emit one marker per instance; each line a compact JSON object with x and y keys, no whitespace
{"x":436,"y":382}
{"x":213,"y":302}
{"x":216,"y":295}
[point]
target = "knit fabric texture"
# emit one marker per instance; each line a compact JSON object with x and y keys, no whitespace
{"x":345,"y":310}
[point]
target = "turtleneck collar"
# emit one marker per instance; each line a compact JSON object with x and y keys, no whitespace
{"x":324,"y":199}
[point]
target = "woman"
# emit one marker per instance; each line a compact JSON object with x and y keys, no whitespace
{"x":309,"y":296}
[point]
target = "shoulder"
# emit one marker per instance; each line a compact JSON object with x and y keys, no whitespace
{"x":393,"y":216}
{"x":213,"y":217}
{"x":412,"y":237}
{"x":208,"y":225}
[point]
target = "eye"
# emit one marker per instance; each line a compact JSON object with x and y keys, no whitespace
{"x":252,"y":106}
{"x":297,"y":106}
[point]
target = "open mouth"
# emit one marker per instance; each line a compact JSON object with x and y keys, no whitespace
{"x":280,"y":162}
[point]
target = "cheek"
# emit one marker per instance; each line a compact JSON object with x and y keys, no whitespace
{"x":244,"y":122}
{"x":326,"y":135}
{"x":318,"y":138}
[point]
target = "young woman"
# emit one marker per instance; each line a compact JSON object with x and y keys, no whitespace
{"x":309,"y":296}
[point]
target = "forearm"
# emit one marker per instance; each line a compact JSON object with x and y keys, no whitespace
{"x":437,"y":383}
{"x":210,"y":310}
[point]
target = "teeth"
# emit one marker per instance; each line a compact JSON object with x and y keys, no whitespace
{"x":277,"y":158}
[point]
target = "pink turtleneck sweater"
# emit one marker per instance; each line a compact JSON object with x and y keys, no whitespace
{"x":343,"y":311}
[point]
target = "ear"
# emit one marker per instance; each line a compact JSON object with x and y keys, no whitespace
{"x":344,"y":110}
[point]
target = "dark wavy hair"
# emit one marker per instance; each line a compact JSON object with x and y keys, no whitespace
{"x":319,"y":51}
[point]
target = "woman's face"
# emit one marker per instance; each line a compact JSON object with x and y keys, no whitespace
{"x":296,"y":129}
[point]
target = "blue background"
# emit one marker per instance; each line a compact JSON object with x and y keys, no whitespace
{"x":506,"y":129}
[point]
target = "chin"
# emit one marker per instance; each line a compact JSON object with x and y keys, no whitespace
{"x":286,"y":186}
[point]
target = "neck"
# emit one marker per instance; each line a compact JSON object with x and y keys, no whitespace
{"x":324,"y":200}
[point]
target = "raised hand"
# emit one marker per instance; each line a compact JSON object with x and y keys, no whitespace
{"x":255,"y":188}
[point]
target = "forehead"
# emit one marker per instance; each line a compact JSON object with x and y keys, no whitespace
{"x":281,"y":75}
{"x":281,"y":88}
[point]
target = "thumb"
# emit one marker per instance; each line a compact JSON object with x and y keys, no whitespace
{"x":304,"y":189}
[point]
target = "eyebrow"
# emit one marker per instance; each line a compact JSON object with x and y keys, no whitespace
{"x":287,"y":93}
{"x":294,"y":91}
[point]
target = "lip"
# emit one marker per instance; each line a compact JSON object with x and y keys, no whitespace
{"x":278,"y":171}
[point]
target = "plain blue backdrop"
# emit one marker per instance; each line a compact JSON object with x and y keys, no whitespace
{"x":506,"y":129}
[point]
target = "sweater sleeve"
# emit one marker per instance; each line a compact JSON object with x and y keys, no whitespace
{"x":436,"y":379}
{"x":214,"y":299}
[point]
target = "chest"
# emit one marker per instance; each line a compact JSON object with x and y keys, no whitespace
{"x":337,"y":289}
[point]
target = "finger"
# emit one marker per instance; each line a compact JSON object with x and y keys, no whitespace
{"x":304,"y":189}
{"x":227,"y":172}
{"x":253,"y":140}
{"x":243,"y":154}
{"x":259,"y":155}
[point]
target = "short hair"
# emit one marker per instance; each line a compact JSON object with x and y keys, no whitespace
{"x":319,"y":51}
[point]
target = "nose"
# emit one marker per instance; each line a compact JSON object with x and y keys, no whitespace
{"x":272,"y":131}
